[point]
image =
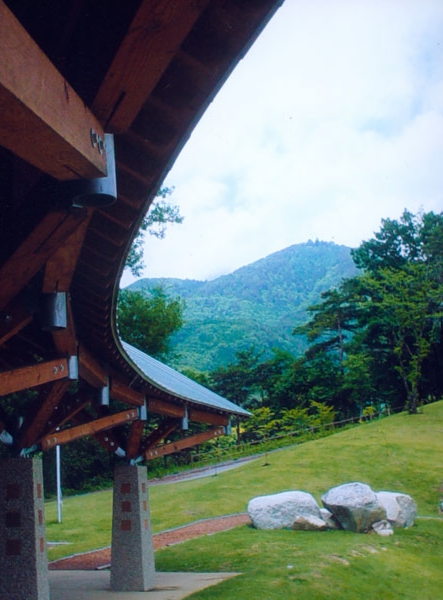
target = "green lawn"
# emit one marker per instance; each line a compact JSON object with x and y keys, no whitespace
{"x":401,"y":453}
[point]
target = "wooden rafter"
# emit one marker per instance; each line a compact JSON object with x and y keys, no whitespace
{"x":90,"y":369}
{"x":122,"y":392}
{"x":15,"y":317}
{"x":36,"y":250}
{"x":202,"y":416}
{"x":43,"y":120}
{"x":159,"y":434}
{"x":60,"y":267}
{"x":75,"y":433}
{"x":161,"y":407}
{"x":193,"y":440}
{"x":142,"y":59}
{"x":24,"y":378}
{"x":33,"y":430}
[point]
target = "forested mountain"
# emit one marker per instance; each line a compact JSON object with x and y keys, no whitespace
{"x":257,"y":305}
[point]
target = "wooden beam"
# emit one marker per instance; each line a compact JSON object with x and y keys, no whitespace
{"x":36,"y":250}
{"x":43,"y":120}
{"x":201,"y":416}
{"x":134,"y":439}
{"x":75,"y":433}
{"x":90,"y":369}
{"x":34,"y":429}
{"x":156,"y":33}
{"x":159,"y":434}
{"x":13,"y":319}
{"x":193,"y":440}
{"x":24,"y":378}
{"x":107,"y":439}
{"x":161,"y":407}
{"x":61,"y":266}
{"x":122,"y":392}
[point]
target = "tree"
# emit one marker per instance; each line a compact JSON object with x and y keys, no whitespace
{"x":392,"y":316}
{"x":160,"y":214}
{"x":237,"y":381}
{"x":147,"y":320}
{"x":404,"y":305}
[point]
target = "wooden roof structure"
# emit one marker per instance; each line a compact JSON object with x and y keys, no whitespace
{"x":81,"y":81}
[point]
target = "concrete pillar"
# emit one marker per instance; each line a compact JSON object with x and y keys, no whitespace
{"x":132,"y":553}
{"x":23,"y":559}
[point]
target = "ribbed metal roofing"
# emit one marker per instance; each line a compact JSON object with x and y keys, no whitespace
{"x":179,"y":385}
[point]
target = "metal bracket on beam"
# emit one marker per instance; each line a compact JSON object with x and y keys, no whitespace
{"x":54,"y":312}
{"x":73,"y":367}
{"x":143,"y":411}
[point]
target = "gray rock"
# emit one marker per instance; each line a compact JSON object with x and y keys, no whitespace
{"x":383,"y":528}
{"x":279,"y":511}
{"x":309,"y":523}
{"x":354,"y":505}
{"x":401,"y":509}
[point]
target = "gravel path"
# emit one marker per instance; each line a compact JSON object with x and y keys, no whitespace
{"x":102,"y":558}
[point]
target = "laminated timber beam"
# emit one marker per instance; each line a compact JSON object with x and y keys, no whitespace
{"x":91,"y":428}
{"x":193,"y":440}
{"x":24,"y":378}
{"x":161,"y":432}
{"x":37,"y":249}
{"x":34,"y":429}
{"x":142,"y":58}
{"x":13,"y":319}
{"x":43,"y":120}
{"x":201,"y":416}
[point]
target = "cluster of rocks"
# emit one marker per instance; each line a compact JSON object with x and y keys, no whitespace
{"x":351,"y":506}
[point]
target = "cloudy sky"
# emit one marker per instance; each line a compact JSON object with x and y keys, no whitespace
{"x":333,"y":121}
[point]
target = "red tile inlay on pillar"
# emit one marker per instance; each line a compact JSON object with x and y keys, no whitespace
{"x":39,"y":490}
{"x":13,"y":547}
{"x":125,"y":525}
{"x":145,"y":505}
{"x":42,"y":544}
{"x":144,"y":488}
{"x":126,"y":488}
{"x":146,"y":524}
{"x":40,"y":517}
{"x":126,"y":506}
{"x":13,"y":491}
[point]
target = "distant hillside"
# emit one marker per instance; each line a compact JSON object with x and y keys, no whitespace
{"x":257,"y":305}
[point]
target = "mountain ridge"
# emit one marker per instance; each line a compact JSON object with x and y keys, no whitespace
{"x":257,"y":305}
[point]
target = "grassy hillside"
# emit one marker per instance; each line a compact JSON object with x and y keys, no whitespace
{"x":258,"y":305}
{"x":400,"y":453}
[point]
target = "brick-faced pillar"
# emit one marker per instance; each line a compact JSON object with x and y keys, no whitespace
{"x":23,"y":559}
{"x":132,"y":553}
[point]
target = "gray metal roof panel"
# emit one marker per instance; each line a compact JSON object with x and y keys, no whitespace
{"x":173,"y":382}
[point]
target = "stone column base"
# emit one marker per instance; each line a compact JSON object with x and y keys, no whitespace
{"x":23,"y":559}
{"x":132,"y":553}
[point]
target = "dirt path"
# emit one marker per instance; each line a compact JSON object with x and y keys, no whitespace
{"x":102,"y":558}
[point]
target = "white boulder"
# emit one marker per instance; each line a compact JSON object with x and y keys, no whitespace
{"x":280,"y":511}
{"x":354,"y":505}
{"x":309,"y":523}
{"x":383,"y":528}
{"x":401,"y":509}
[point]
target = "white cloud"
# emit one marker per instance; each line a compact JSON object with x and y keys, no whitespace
{"x":333,"y":121}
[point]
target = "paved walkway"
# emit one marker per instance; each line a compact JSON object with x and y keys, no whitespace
{"x":94,"y":585}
